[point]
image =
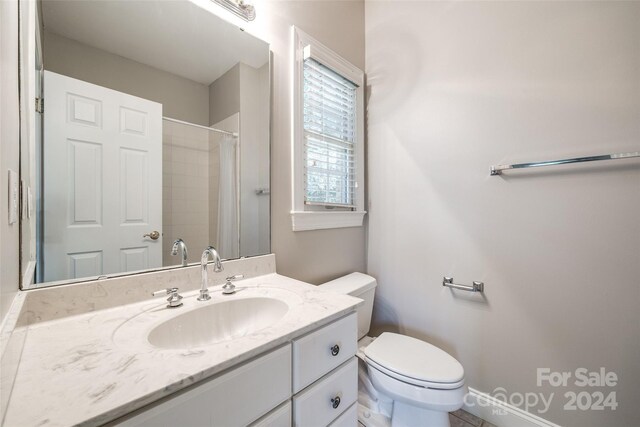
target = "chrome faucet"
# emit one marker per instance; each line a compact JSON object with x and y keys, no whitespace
{"x":180,"y":244}
{"x":217,"y":267}
{"x":174,"y":300}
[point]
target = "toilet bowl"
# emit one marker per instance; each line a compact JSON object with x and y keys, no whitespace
{"x":407,"y":382}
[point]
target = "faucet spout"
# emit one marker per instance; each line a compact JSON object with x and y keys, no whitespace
{"x":179,"y":244}
{"x":217,"y":267}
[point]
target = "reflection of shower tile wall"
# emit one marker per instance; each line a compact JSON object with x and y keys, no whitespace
{"x":185,"y":202}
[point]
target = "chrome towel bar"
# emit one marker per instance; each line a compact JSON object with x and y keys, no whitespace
{"x":476,"y":287}
{"x":497,"y":170}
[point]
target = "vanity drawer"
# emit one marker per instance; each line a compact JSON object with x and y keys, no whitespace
{"x":235,"y":398}
{"x":319,"y":352}
{"x":279,"y":417}
{"x":316,"y":406}
{"x":349,"y":418}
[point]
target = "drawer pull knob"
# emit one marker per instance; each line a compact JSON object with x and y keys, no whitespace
{"x":335,"y":350}
{"x":335,"y":402}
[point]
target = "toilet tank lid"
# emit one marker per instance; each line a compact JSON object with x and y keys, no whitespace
{"x":353,"y":284}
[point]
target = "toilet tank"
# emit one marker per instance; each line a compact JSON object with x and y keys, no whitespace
{"x":360,"y":286}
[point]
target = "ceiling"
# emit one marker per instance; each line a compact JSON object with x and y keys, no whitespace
{"x":178,"y":37}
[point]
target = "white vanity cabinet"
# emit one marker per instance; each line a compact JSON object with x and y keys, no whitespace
{"x":312,"y":381}
{"x":279,"y":417}
{"x":325,"y":373}
{"x":236,"y":398}
{"x":324,"y":401}
{"x":323,"y":350}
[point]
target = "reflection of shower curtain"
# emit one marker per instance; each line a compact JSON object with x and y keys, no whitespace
{"x":227,"y":200}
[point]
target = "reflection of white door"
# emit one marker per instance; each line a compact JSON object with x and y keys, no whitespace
{"x":102,"y":180}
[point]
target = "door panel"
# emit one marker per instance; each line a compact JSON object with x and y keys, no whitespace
{"x":102,"y":180}
{"x":85,"y":187}
{"x":134,"y":184}
{"x":85,"y":264}
{"x":134,"y":259}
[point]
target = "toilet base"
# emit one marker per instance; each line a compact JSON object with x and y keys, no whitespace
{"x":411,"y":416}
{"x":382,"y":400}
{"x":370,"y":418}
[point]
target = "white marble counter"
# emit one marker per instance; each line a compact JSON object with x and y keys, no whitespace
{"x":91,"y":368}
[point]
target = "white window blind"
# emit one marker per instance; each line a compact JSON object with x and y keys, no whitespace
{"x":330,"y":125}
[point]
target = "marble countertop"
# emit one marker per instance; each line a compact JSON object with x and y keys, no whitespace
{"x":92,"y":368}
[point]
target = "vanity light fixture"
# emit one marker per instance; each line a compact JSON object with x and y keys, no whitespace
{"x":239,"y":7}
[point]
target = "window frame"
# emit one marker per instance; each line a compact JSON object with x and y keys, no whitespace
{"x":306,"y":217}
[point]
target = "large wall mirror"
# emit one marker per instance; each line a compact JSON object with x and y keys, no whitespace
{"x":154,"y":127}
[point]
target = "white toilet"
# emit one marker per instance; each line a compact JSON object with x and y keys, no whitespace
{"x":411,"y":381}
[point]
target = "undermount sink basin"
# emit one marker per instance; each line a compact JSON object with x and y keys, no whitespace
{"x":218,"y":322}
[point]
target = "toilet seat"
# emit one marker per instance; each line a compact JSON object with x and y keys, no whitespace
{"x":414,"y":362}
{"x":413,"y":381}
{"x":443,"y":400}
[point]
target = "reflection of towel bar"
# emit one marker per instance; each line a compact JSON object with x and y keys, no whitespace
{"x":262,"y":191}
{"x":476,"y":287}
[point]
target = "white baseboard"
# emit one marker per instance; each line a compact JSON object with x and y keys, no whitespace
{"x":501,"y":413}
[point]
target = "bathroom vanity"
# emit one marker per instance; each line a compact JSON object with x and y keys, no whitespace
{"x":320,"y":365}
{"x":285,"y":357}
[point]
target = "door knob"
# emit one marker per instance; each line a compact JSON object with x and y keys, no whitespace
{"x":154,"y":235}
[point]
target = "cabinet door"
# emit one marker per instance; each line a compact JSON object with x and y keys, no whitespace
{"x":235,"y":398}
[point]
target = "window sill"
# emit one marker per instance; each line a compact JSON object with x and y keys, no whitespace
{"x":309,"y":220}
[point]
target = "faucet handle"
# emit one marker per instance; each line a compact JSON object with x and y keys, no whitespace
{"x":174,"y":300}
{"x":230,"y":288}
{"x":164,"y":292}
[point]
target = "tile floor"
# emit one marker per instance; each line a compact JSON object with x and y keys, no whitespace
{"x":462,"y":418}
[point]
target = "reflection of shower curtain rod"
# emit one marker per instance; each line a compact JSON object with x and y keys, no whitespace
{"x":182,"y":122}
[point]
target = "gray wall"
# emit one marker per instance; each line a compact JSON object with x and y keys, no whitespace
{"x":254,"y":150}
{"x":312,"y":256}
{"x":245,"y":90}
{"x":181,"y":98}
{"x":224,"y":95}
{"x":457,"y":87}
{"x":9,"y":151}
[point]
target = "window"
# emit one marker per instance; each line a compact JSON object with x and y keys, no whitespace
{"x":328,"y":137}
{"x":329,"y":121}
